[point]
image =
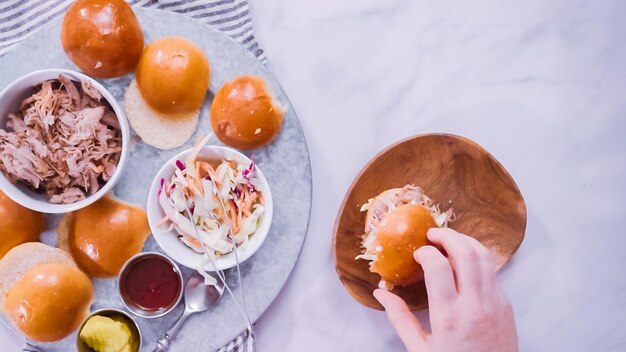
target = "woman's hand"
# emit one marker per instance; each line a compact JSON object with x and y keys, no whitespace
{"x":468,"y":311}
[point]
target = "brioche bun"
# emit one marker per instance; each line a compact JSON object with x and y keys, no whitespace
{"x":17,"y":224}
{"x":102,"y":37}
{"x":400,"y":233}
{"x":104,"y":235}
{"x":173,"y":76}
{"x":24,"y":257}
{"x":243,"y":114}
{"x":50,"y":301}
{"x":155,"y":128}
{"x":42,"y":292}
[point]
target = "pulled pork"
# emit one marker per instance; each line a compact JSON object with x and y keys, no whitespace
{"x":65,"y":141}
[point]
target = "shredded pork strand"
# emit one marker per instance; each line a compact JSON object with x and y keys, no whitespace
{"x":64,"y":141}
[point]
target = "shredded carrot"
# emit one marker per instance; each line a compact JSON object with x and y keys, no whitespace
{"x":199,"y":185}
{"x":194,"y":241}
{"x":261,"y":200}
{"x":163,"y":221}
{"x":189,"y":191}
{"x":247,"y":202}
{"x":220,"y":211}
{"x":233,"y":218}
{"x":203,"y":168}
{"x":211,"y":171}
{"x":239,"y":215}
{"x":246,"y":194}
{"x":194,"y":182}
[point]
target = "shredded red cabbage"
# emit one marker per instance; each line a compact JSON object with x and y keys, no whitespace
{"x":247,"y":172}
{"x":161,"y":187}
{"x":180,"y":165}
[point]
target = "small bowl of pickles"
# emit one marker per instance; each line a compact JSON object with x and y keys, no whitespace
{"x":109,"y":330}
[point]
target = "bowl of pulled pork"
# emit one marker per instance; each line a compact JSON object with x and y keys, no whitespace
{"x":63,"y":140}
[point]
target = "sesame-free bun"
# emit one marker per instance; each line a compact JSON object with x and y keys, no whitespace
{"x":17,"y":224}
{"x":399,"y":234}
{"x":243,"y":114}
{"x":154,"y":128}
{"x":24,"y":257}
{"x":42,"y":291}
{"x":104,"y":235}
{"x":173,"y":76}
{"x":102,"y":37}
{"x":49,"y":301}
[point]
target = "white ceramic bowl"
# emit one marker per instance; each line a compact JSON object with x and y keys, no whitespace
{"x":10,"y":99}
{"x":168,"y":240}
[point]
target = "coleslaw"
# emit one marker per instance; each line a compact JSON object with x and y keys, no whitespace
{"x":222,"y":197}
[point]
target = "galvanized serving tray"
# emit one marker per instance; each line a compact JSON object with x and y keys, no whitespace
{"x":285,"y":164}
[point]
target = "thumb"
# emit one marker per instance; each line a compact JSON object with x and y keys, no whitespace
{"x":407,"y":326}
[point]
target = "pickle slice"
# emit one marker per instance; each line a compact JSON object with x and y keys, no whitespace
{"x":103,"y":334}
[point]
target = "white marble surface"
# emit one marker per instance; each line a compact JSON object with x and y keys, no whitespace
{"x":540,"y":84}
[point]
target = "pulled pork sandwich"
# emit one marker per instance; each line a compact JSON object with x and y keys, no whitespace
{"x":396,"y":224}
{"x":65,"y":141}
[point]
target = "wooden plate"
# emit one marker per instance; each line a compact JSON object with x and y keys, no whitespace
{"x":454,"y":172}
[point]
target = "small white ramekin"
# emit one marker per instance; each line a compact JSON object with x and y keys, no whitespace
{"x":168,"y":240}
{"x":10,"y":99}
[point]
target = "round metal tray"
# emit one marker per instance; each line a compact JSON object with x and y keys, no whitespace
{"x":285,"y":163}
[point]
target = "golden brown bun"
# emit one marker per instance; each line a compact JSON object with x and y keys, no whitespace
{"x":104,"y":235}
{"x":49,"y":301}
{"x":243,"y":114}
{"x":17,"y":224}
{"x":173,"y":76}
{"x":102,"y":37}
{"x":400,"y":233}
{"x":24,"y":257}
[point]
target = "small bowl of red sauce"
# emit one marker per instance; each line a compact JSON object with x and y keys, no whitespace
{"x":150,"y":284}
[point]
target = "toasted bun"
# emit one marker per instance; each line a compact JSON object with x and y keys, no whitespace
{"x":49,"y":301}
{"x":104,"y":235}
{"x":400,"y":233}
{"x":173,"y":76}
{"x":102,"y":37}
{"x":17,"y":224}
{"x":154,"y":128}
{"x":24,"y":257}
{"x":243,"y":114}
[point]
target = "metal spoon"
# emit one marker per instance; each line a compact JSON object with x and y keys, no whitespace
{"x":198,"y":298}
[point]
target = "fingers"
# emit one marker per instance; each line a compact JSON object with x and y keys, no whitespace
{"x":438,"y":277}
{"x":471,"y":261}
{"x":407,"y":326}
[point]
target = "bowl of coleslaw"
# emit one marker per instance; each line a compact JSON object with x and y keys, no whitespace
{"x":210,"y":207}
